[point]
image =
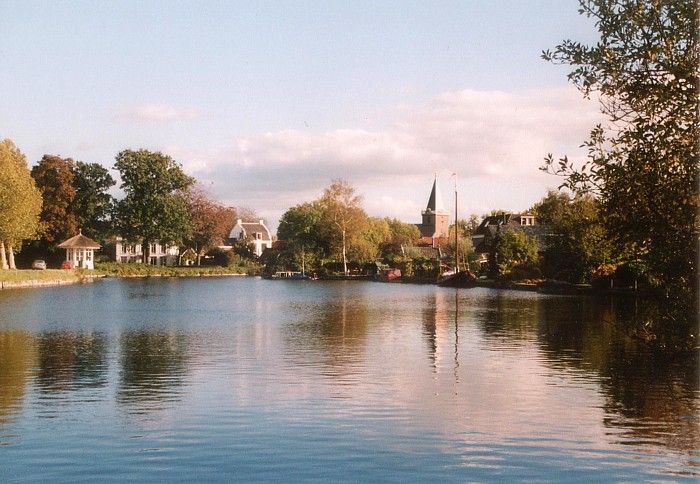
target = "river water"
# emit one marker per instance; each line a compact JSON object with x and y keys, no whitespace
{"x":248,"y":379}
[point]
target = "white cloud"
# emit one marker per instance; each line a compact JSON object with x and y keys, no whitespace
{"x":495,"y":142}
{"x":161,"y":113}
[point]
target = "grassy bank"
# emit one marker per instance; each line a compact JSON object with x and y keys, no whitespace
{"x":112,"y":269}
{"x":25,"y":275}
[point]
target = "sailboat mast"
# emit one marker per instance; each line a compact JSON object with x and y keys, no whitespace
{"x":456,"y":232}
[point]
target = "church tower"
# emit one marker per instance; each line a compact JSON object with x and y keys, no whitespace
{"x":435,"y":217}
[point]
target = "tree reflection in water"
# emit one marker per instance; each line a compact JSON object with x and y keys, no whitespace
{"x":71,"y":360}
{"x":17,"y":357}
{"x":154,"y":364}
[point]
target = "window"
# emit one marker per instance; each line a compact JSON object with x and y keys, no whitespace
{"x":88,"y":255}
{"x":154,"y":248}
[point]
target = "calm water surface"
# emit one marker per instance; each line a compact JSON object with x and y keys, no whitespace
{"x":221,"y":379}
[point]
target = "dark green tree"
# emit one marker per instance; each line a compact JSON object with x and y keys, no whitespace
{"x":92,"y":205}
{"x":302,"y":238}
{"x":54,"y":177}
{"x":513,"y":249}
{"x":577,"y":243}
{"x":643,"y":163}
{"x":153,"y":208}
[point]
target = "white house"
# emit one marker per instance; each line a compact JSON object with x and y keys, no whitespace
{"x":255,"y":234}
{"x":80,"y":251}
{"x":160,"y":255}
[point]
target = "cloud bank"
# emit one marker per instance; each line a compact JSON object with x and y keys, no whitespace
{"x":495,"y":142}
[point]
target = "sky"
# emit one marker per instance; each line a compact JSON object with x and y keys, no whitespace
{"x":266,"y":102}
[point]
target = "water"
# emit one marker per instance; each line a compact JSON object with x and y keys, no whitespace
{"x":247,"y":379}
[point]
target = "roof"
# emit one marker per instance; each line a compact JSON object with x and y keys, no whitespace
{"x":435,"y":200}
{"x":79,"y":242}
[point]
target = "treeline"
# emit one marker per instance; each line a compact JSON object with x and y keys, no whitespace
{"x":41,"y":207}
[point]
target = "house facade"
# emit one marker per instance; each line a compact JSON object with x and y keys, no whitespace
{"x":255,"y":234}
{"x":161,"y":254}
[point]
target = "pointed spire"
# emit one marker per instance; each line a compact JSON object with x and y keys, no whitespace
{"x":435,"y":200}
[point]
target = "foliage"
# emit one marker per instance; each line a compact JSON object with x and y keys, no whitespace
{"x":400,"y":235}
{"x":303,"y":241}
{"x":54,"y":177}
{"x":644,"y":163}
{"x":20,"y":200}
{"x":577,"y":242}
{"x":145,"y":270}
{"x":513,"y":248}
{"x":466,"y":249}
{"x":92,"y":205}
{"x":153,"y":208}
{"x":211,"y":221}
{"x":343,"y":217}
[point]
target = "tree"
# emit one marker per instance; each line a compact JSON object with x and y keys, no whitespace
{"x":577,"y":244}
{"x":513,"y":248}
{"x":400,"y":235}
{"x":343,"y":215}
{"x":643,"y":164}
{"x":302,"y":238}
{"x":211,"y":221}
{"x":20,"y":202}
{"x":92,"y":205}
{"x":153,"y":208}
{"x":54,"y":177}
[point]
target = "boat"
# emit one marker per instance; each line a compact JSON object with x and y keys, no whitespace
{"x":291,"y":275}
{"x":456,"y":277}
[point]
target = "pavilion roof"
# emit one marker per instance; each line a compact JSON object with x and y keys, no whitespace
{"x":79,"y":242}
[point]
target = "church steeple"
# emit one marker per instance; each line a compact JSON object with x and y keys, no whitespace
{"x":435,"y":201}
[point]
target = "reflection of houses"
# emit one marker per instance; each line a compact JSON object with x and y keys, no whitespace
{"x":161,"y":254}
{"x":435,"y":227}
{"x":484,"y":237}
{"x":80,"y":251}
{"x":255,"y":234}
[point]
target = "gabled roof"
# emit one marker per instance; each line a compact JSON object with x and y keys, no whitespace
{"x":79,"y":242}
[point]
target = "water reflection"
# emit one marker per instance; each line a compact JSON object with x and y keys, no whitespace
{"x":331,"y":334}
{"x":17,"y":356}
{"x":71,"y":360}
{"x":154,"y":364}
{"x":650,"y":396}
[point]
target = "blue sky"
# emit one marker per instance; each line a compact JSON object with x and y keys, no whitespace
{"x":266,"y":102}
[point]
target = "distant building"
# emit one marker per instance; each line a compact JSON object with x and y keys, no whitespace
{"x":435,"y":227}
{"x":80,"y":251}
{"x":161,"y":254}
{"x":484,"y":236}
{"x":255,"y":234}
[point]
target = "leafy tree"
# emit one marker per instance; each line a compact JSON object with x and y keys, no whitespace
{"x":153,"y":208}
{"x":211,"y":221}
{"x":513,"y":248}
{"x":343,"y":216}
{"x":643,"y":164}
{"x":20,"y":202}
{"x":302,"y":237}
{"x":400,"y":235}
{"x":92,"y":205}
{"x":578,"y":243}
{"x":466,"y":249}
{"x":54,"y":177}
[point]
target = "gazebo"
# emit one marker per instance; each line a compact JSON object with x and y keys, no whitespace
{"x":80,"y":251}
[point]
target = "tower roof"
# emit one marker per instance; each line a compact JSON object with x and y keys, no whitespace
{"x":435,"y":200}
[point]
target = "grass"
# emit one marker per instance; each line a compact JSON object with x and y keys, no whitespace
{"x":22,"y":275}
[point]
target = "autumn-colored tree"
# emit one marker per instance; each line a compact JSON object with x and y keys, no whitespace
{"x":20,"y":202}
{"x":54,"y":177}
{"x":211,"y":221}
{"x":343,"y":216}
{"x":153,"y":208}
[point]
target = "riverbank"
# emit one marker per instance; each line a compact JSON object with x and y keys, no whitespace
{"x":13,"y":279}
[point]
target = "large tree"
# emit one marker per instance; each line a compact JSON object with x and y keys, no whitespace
{"x":211,"y":221}
{"x":302,"y":238}
{"x":54,"y":177}
{"x":153,"y":208}
{"x":92,"y":205}
{"x":343,"y":216}
{"x":643,"y":163}
{"x":20,"y":202}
